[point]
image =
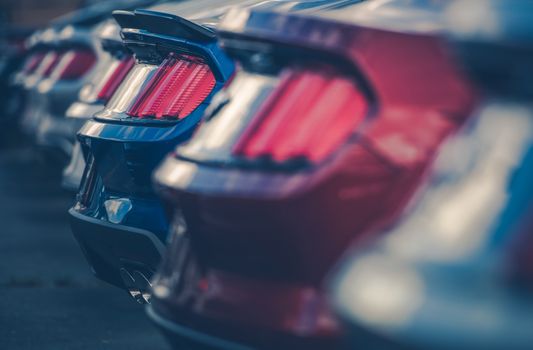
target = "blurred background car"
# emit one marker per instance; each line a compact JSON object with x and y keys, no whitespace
{"x":118,"y":220}
{"x":455,"y":272}
{"x":95,"y":94}
{"x":49,"y":299}
{"x":18,"y":20}
{"x":324,"y":134}
{"x":60,"y":59}
{"x":12,"y":46}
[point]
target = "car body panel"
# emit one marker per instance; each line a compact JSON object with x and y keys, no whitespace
{"x":255,"y":227}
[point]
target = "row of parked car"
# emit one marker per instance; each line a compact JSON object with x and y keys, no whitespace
{"x":297,"y":174}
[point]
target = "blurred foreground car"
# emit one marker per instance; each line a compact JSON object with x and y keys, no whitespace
{"x":456,"y":272}
{"x":60,"y":60}
{"x":324,"y":134}
{"x":118,"y":220}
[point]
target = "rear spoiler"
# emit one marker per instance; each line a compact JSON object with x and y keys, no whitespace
{"x":284,"y":37}
{"x":163,"y":24}
{"x":273,"y":29}
{"x":145,"y":30}
{"x":371,"y":53}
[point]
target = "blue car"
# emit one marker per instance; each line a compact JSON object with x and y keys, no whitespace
{"x":457,"y":272}
{"x":117,"y":219}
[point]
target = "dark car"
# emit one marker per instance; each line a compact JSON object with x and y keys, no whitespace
{"x":456,"y":271}
{"x":60,"y":60}
{"x":324,"y":134}
{"x":118,"y":220}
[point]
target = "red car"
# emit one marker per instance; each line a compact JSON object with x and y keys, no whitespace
{"x":323,"y":136}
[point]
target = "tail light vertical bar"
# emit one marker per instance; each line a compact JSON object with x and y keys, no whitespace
{"x":174,"y":76}
{"x":33,"y":62}
{"x":116,"y":77}
{"x":73,"y":64}
{"x":178,"y":87}
{"x":141,"y":102}
{"x":184,"y":94}
{"x":48,"y":63}
{"x":311,"y":113}
{"x":205,"y":85}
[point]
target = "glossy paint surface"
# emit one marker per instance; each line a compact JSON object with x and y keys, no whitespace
{"x":239,"y":214}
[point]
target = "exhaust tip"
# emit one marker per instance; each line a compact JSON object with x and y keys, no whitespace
{"x":138,"y":285}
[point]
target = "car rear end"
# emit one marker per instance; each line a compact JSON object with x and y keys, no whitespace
{"x":63,"y":58}
{"x":52,"y":75}
{"x":117,"y":219}
{"x":315,"y":144}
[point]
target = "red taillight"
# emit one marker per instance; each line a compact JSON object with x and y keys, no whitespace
{"x":309,"y":115}
{"x":175,"y":90}
{"x":32,"y":62}
{"x":73,"y":64}
{"x":115,"y":78}
{"x":48,"y":63}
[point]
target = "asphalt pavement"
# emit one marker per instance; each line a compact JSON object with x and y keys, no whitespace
{"x":49,"y":298}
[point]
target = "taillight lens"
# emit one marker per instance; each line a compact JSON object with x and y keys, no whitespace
{"x":310,"y":114}
{"x":115,"y":76}
{"x":48,"y":63}
{"x":32,"y":62}
{"x":73,"y":64}
{"x":175,"y":90}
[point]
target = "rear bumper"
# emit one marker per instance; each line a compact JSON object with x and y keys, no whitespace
{"x":185,"y":337}
{"x":191,"y":331}
{"x":114,"y":250}
{"x":200,"y":307}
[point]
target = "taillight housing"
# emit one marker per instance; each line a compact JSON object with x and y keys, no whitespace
{"x":177,"y":88}
{"x":309,"y":115}
{"x":59,"y":64}
{"x":32,"y":62}
{"x":48,"y":63}
{"x":73,"y":64}
{"x":115,"y":76}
